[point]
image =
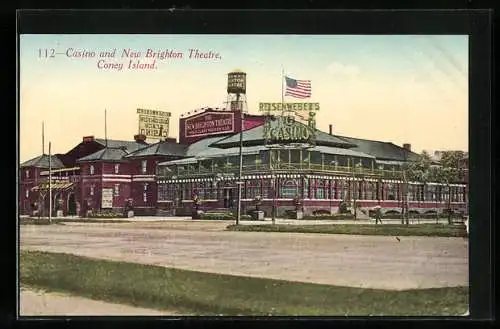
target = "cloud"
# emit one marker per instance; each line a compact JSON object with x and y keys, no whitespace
{"x":343,"y":69}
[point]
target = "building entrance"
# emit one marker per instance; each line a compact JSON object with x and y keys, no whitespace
{"x":228,"y":198}
{"x":71,"y":205}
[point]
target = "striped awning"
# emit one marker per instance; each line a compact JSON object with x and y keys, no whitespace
{"x":391,"y":181}
{"x":56,"y":186}
{"x":263,"y":176}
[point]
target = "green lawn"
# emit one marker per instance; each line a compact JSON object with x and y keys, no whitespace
{"x":442,"y":230}
{"x":198,"y":293}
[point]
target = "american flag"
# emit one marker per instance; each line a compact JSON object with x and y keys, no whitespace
{"x":298,"y":88}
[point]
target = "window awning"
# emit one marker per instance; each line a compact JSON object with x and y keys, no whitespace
{"x":56,"y":186}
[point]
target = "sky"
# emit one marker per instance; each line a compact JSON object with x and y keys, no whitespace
{"x":395,"y":88}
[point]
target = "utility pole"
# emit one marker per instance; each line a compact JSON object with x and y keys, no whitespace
{"x":43,"y":138}
{"x":240,"y":172}
{"x":106,"y":128}
{"x":354,"y":190}
{"x":50,"y":184}
{"x":273,"y":187}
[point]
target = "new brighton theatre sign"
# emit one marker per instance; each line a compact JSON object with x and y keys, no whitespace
{"x":290,"y":122}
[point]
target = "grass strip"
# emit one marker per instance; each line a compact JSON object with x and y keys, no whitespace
{"x":201,"y":293}
{"x":436,"y":230}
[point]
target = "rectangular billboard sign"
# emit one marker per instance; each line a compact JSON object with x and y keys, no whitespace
{"x":154,"y":113}
{"x":154,"y":124}
{"x":209,"y":124}
{"x":107,"y":198}
{"x":295,"y":107}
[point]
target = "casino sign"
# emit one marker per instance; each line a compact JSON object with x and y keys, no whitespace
{"x":285,"y":128}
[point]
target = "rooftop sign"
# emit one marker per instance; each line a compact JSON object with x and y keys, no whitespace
{"x":153,"y":124}
{"x":290,"y":107}
{"x":209,"y":124}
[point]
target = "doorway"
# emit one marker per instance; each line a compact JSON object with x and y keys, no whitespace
{"x":228,"y":198}
{"x":71,"y":205}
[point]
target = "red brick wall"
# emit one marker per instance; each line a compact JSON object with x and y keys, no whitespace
{"x":109,"y":168}
{"x":118,"y":201}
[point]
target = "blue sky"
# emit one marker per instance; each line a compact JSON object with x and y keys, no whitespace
{"x":355,"y":78}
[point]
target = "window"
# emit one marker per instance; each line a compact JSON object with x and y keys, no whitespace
{"x":320,"y":190}
{"x":117,"y":190}
{"x":391,"y":192}
{"x":145,"y":197}
{"x":145,"y":187}
{"x":144,"y":164}
{"x":27,"y":193}
{"x":92,"y":190}
{"x":253,"y":189}
{"x":91,"y":169}
{"x":117,"y":168}
{"x":289,"y":189}
{"x":27,"y":174}
{"x":371,"y":191}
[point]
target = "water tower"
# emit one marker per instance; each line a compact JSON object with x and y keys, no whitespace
{"x":236,"y":91}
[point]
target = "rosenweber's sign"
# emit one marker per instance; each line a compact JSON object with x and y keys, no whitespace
{"x":209,"y":124}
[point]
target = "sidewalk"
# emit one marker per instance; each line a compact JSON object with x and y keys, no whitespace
{"x":40,"y":303}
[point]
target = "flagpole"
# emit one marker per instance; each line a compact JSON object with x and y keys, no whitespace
{"x":282,"y":89}
{"x":50,"y":184}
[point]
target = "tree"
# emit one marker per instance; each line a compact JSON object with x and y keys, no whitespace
{"x":420,"y":171}
{"x":446,"y":171}
{"x":450,"y":162}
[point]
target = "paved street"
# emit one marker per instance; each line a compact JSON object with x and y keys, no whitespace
{"x":358,"y":261}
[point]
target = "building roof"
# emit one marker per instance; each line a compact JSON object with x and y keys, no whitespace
{"x":202,"y":145}
{"x":381,"y":150}
{"x":130,"y":146}
{"x":42,"y":161}
{"x":162,"y":148}
{"x":107,"y":154}
{"x":217,"y":152}
{"x":341,"y":151}
{"x":256,"y":136}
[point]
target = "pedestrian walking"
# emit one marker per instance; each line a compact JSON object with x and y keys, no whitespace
{"x":378,"y":214}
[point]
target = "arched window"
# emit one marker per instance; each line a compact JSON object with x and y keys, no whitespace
{"x":289,"y":189}
{"x":371,"y":191}
{"x":253,"y":189}
{"x":390,"y":192}
{"x":320,"y":190}
{"x":91,"y":169}
{"x":305,"y":189}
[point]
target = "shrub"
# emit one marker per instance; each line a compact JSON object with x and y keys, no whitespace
{"x":106,"y":214}
{"x":343,"y":208}
{"x":329,"y":217}
{"x":217,"y":216}
{"x":321,"y":212}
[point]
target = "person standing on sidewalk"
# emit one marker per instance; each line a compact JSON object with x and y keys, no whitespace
{"x":378,"y":214}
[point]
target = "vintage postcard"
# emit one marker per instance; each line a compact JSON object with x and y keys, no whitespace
{"x":234,"y":175}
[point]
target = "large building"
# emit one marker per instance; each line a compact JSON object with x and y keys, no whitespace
{"x":165,"y":177}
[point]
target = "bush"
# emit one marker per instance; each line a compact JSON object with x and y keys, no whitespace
{"x":218,"y":216}
{"x":106,"y":214}
{"x":321,"y":212}
{"x":343,"y":208}
{"x":329,"y":217}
